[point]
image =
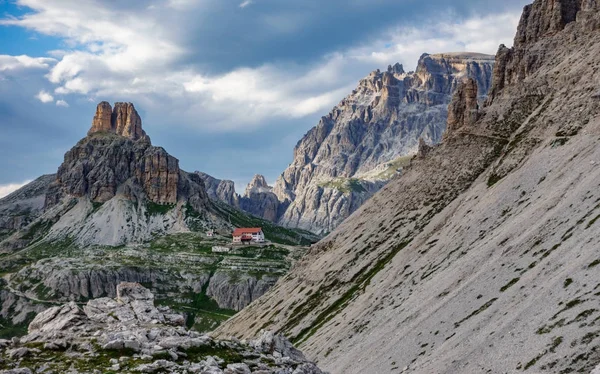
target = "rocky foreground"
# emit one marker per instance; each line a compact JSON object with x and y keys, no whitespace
{"x":129,"y":334}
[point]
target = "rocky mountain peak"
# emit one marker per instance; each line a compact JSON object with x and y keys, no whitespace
{"x":396,"y":69}
{"x":516,"y":185}
{"x":258,"y":184}
{"x":337,"y":164}
{"x":546,"y":17}
{"x":122,"y":120}
{"x":539,"y":22}
{"x":117,"y":163}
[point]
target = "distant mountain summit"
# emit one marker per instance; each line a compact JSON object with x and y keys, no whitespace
{"x":361,"y":144}
{"x":358,"y":146}
{"x":258,"y":198}
{"x":115,"y":187}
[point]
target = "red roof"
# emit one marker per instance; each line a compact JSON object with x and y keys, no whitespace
{"x":246,"y":230}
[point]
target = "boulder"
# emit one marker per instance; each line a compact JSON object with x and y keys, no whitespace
{"x":129,"y":291}
{"x":276,"y":345}
{"x":68,"y":317}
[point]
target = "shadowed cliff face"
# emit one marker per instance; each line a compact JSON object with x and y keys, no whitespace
{"x":482,"y":256}
{"x":342,"y":161}
{"x":117,"y":157}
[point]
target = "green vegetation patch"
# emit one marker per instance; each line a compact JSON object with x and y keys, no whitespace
{"x":493,"y":179}
{"x":96,"y":206}
{"x":509,"y":284}
{"x":594,"y":263}
{"x":551,"y":349}
{"x":392,"y":167}
{"x":154,"y":209}
{"x":203,"y":313}
{"x":37,"y":230}
{"x":228,"y":355}
{"x":592,"y":221}
{"x":273,"y":233}
{"x":9,"y":330}
{"x":344,"y":185}
{"x":568,"y":306}
{"x":476,"y":312}
{"x":359,"y":283}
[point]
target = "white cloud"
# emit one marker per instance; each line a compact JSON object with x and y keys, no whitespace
{"x":135,"y":56}
{"x":24,"y":62}
{"x":7,"y":189}
{"x":478,"y":34}
{"x":62,"y":103}
{"x":44,"y":97}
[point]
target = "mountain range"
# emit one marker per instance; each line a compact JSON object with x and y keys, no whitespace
{"x":483,"y":255}
{"x":459,"y":206}
{"x":361,"y":144}
{"x":120,"y":209}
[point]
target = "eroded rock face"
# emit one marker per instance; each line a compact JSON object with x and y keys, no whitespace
{"x":538,"y":21}
{"x":221,"y":190}
{"x":158,"y":172}
{"x":148,"y":339}
{"x":76,"y":280}
{"x":260,"y":200}
{"x":332,"y":173}
{"x":123,"y":120}
{"x":99,"y":165}
{"x":463,"y":108}
{"x":102,"y":121}
{"x":117,"y":157}
{"x":116,"y":167}
{"x":238,"y":293}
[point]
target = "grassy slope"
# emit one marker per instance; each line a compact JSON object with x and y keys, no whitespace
{"x":273,"y":232}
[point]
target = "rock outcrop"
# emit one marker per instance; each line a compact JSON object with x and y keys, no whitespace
{"x":62,"y":280}
{"x":482,"y":256}
{"x":259,"y":199}
{"x":102,"y":163}
{"x":114,"y":187}
{"x":220,"y":190}
{"x":145,"y":338}
{"x":463,"y":109}
{"x":123,"y":120}
{"x":351,"y":153}
{"x":23,"y":206}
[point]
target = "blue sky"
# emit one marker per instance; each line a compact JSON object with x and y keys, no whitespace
{"x":226,"y":86}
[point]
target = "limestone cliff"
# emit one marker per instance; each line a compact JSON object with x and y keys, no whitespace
{"x":258,"y":199}
{"x":221,"y":190}
{"x":102,"y":164}
{"x":482,"y":256}
{"x":113,"y":187}
{"x":356,"y":148}
{"x":123,"y":120}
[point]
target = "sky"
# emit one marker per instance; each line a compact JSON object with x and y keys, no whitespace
{"x":226,"y":86}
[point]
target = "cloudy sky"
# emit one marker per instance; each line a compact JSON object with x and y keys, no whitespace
{"x":226,"y":86}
